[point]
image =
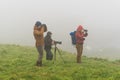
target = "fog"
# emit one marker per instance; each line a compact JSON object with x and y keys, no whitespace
{"x":100,"y":17}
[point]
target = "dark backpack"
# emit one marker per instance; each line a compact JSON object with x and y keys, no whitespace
{"x":73,"y":38}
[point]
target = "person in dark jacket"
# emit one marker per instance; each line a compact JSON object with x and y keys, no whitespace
{"x":80,"y":34}
{"x":48,"y":45}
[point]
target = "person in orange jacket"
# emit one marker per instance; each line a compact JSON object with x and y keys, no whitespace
{"x":80,"y":35}
{"x":38,"y":33}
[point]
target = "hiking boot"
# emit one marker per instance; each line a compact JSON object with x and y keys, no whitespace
{"x":78,"y":59}
{"x":39,"y":63}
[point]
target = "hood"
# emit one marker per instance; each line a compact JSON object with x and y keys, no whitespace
{"x":79,"y":28}
{"x":49,"y":33}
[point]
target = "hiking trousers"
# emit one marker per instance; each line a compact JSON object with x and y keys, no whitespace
{"x":49,"y":55}
{"x":79,"y":48}
{"x":40,"y":55}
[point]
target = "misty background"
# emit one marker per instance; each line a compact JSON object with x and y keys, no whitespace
{"x":100,"y":17}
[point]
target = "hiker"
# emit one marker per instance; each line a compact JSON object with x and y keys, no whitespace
{"x":80,"y":34}
{"x":48,"y":45}
{"x":38,"y":32}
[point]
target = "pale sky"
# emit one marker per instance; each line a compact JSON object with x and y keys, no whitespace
{"x":100,"y":17}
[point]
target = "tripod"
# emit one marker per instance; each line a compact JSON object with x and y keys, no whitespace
{"x":56,"y":49}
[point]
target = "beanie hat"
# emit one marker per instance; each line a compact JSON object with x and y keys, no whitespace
{"x":38,"y":23}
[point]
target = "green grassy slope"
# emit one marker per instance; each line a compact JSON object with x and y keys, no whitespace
{"x":18,"y":63}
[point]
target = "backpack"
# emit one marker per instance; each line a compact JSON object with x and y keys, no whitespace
{"x":73,"y":38}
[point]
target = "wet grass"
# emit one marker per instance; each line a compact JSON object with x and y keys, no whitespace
{"x":18,"y":63}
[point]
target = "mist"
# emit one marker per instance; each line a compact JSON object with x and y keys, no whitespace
{"x":101,"y":18}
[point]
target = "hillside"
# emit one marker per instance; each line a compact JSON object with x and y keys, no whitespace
{"x":18,"y":63}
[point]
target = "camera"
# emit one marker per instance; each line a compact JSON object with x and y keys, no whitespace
{"x":85,"y":30}
{"x":57,"y":42}
{"x":83,"y":39}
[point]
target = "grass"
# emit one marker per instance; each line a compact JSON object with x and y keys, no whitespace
{"x":18,"y":63}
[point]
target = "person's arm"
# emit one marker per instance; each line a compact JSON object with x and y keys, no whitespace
{"x":79,"y":35}
{"x":39,"y":32}
{"x":50,"y":41}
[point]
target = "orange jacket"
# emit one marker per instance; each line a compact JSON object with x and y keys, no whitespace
{"x":38,"y":35}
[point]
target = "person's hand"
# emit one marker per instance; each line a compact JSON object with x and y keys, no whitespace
{"x":53,"y":42}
